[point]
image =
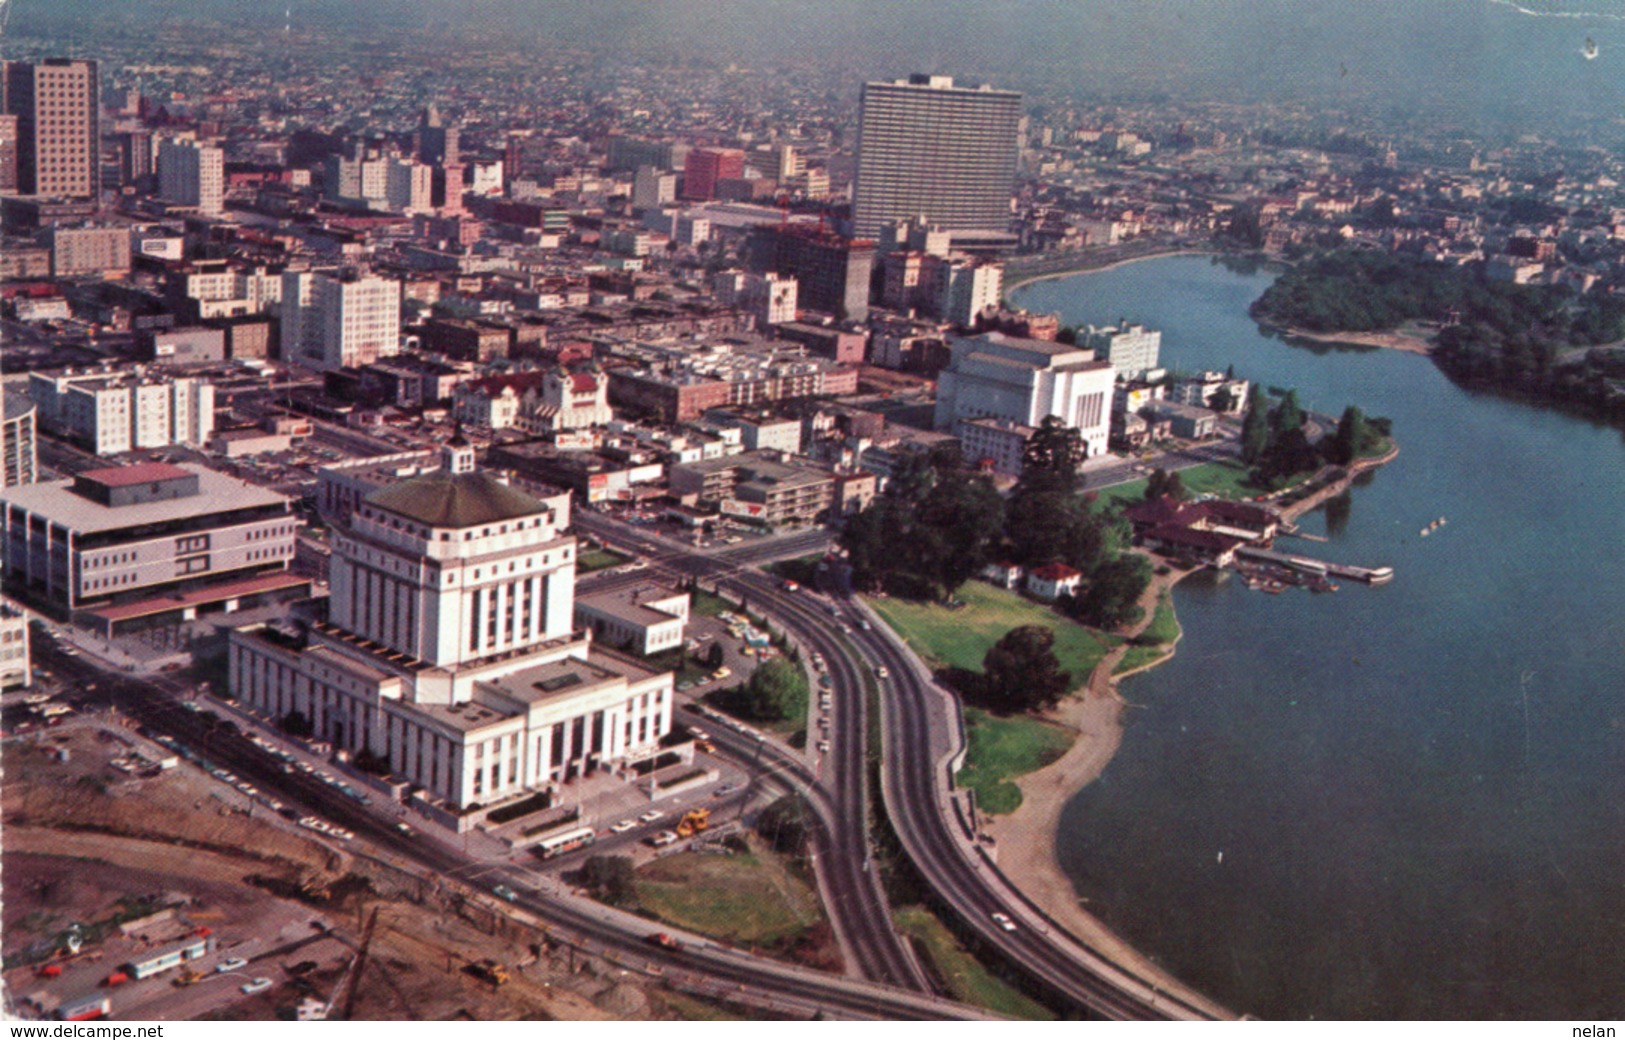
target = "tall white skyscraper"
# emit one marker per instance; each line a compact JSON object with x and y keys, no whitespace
{"x":339,"y":320}
{"x":928,"y":148}
{"x":192,"y":174}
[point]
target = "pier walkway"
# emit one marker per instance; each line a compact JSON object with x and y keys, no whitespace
{"x":1369,"y":575}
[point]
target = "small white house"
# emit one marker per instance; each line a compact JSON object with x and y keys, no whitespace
{"x":1054,"y":580}
{"x":1003,"y":574}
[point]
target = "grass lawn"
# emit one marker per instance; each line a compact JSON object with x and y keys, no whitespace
{"x":1224,"y":479}
{"x":1164,"y":627}
{"x":743,"y":898}
{"x":1005,"y":748}
{"x":966,"y":978}
{"x":707,"y":604}
{"x":963,"y":637}
{"x":1138,"y":657}
{"x":598,"y":559}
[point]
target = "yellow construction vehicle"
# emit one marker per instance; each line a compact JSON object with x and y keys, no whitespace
{"x":693,"y":822}
{"x":489,"y":971}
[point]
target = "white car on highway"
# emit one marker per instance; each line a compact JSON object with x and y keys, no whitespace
{"x":231,"y":964}
{"x":623,"y":827}
{"x":1003,"y":921}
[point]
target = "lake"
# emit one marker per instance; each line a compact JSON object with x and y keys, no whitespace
{"x":1418,"y":790}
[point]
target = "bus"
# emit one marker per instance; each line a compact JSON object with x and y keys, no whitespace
{"x":569,"y":841}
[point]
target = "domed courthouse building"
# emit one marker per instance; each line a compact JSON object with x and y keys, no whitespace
{"x":450,"y":651}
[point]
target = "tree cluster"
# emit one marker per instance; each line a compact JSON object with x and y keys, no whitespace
{"x":775,"y":691}
{"x":1021,"y":672}
{"x":937,"y":526}
{"x":934,"y":529}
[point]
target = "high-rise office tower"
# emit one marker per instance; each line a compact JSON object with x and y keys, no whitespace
{"x":928,"y":148}
{"x":192,"y":174}
{"x":57,"y":103}
{"x":707,"y":166}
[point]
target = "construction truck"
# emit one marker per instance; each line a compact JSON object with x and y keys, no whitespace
{"x":490,"y":971}
{"x":693,"y":822}
{"x":188,"y":978}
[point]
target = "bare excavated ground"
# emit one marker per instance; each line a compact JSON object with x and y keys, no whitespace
{"x":87,"y":844}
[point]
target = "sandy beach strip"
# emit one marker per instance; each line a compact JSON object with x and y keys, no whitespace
{"x":1409,"y":342}
{"x":1025,"y":839}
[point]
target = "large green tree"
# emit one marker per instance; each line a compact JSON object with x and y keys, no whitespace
{"x":1052,"y":456}
{"x":1255,"y":427}
{"x":610,"y":878}
{"x":1112,"y":596}
{"x":1353,"y":436}
{"x":1288,"y":415}
{"x":1021,"y":670}
{"x":777,"y":690}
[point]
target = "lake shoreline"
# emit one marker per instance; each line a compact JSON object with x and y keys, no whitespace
{"x":1028,"y":839}
{"x":1093,"y":267}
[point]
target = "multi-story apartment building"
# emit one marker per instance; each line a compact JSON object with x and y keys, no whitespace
{"x":832,"y":272}
{"x":110,"y":412}
{"x":192,"y":174}
{"x":87,"y":250}
{"x":19,"y":440}
{"x":333,"y":320}
{"x":928,"y":148}
{"x":706,"y":167}
{"x":1133,"y":350}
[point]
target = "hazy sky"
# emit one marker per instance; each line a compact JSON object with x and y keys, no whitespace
{"x":1517,"y":61}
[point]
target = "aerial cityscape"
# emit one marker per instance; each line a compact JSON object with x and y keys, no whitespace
{"x":867,"y":511}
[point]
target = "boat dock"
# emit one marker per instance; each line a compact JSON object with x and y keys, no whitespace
{"x":1317,"y":568}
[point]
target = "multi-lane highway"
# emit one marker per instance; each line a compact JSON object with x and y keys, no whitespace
{"x":840,"y":798}
{"x":921,"y":733}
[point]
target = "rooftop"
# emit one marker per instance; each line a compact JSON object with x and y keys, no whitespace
{"x":217,"y":493}
{"x":441,"y":499}
{"x":140,"y":473}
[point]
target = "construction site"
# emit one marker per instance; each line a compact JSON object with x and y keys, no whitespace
{"x":140,"y":888}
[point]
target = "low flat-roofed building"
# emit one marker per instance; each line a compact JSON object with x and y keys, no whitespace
{"x":646,"y":619}
{"x":756,"y":487}
{"x":1186,"y":421}
{"x":141,"y":541}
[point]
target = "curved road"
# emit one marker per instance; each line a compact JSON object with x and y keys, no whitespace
{"x":920,"y":727}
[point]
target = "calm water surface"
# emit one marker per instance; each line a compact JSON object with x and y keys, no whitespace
{"x":1418,"y":790}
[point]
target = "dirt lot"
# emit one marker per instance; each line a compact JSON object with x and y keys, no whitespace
{"x":86,"y":844}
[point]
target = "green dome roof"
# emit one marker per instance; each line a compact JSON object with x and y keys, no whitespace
{"x":440,"y":499}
